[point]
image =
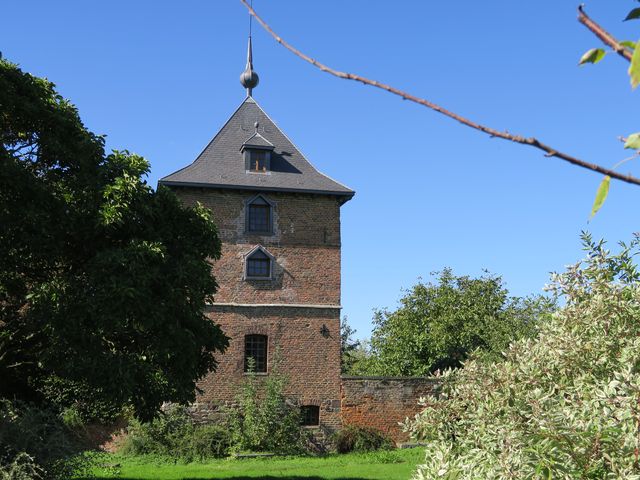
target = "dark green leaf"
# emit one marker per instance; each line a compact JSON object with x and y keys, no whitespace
{"x":633,"y":141}
{"x":601,"y":195}
{"x":592,"y":56}
{"x":633,"y":14}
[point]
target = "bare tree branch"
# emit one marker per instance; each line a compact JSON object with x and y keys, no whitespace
{"x":533,"y":142}
{"x":603,"y":35}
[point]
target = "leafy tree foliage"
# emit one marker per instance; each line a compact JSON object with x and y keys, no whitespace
{"x":348,"y":346}
{"x":103,"y":280}
{"x":563,"y":405}
{"x":439,"y":324}
{"x":264,"y":420}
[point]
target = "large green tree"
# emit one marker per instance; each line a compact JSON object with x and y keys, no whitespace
{"x":439,"y":324}
{"x":103,"y":281}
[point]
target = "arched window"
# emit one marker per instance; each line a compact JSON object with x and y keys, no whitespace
{"x":258,"y":265}
{"x":259,"y":216}
{"x":255,"y":348}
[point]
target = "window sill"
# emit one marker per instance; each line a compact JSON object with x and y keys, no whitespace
{"x":264,"y":279}
{"x":257,"y":374}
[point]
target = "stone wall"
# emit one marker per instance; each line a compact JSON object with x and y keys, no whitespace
{"x":383,"y":402}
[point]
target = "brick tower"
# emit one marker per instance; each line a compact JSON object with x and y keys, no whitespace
{"x":279,"y":274}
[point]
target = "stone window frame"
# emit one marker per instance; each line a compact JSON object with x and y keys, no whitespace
{"x":247,"y":256}
{"x":247,"y":210}
{"x":309,"y":415}
{"x":264,"y":369}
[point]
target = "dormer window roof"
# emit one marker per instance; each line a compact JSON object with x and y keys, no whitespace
{"x":258,"y":142}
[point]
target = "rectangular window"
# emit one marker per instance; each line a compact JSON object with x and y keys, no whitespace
{"x":258,"y":267}
{"x":259,"y":220}
{"x":255,"y":347}
{"x":257,"y":161}
{"x":309,"y":415}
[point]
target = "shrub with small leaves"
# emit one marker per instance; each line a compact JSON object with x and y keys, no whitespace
{"x":360,"y":439}
{"x":36,"y":440}
{"x":23,"y":467}
{"x":563,"y":405}
{"x":265,"y":420}
{"x":174,"y":434}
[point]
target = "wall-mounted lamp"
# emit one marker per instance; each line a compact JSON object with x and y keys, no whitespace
{"x":324,"y":331}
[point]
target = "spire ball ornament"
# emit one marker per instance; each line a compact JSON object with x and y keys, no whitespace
{"x":249,"y":78}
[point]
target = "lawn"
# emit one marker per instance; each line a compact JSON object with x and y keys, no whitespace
{"x":383,"y":465}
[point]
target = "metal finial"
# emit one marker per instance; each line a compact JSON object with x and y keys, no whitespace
{"x":249,"y":78}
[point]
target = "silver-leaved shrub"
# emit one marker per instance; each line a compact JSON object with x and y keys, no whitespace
{"x":564,"y":405}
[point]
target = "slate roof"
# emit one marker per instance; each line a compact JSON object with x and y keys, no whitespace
{"x":221,"y":164}
{"x":257,"y":140}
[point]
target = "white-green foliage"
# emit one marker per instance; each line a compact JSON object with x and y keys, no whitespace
{"x":23,"y":467}
{"x":565,"y":405}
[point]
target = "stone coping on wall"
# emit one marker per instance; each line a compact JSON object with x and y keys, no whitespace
{"x":273,"y":305}
{"x":374,"y":377}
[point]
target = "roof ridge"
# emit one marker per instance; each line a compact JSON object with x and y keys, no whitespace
{"x":246,"y":100}
{"x":300,"y":151}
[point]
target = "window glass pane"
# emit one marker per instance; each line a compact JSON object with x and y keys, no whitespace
{"x":310,"y":415}
{"x":258,"y":161}
{"x":255,"y":347}
{"x":257,"y":266}
{"x":259,"y":217}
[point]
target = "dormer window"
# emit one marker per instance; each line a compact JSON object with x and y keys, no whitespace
{"x":258,"y":264}
{"x":257,"y":154}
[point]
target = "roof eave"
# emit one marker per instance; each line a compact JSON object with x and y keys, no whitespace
{"x":348,"y":195}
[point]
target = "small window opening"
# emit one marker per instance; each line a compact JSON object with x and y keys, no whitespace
{"x":309,"y":415}
{"x":258,"y":161}
{"x":259,"y":265}
{"x":259,"y":216}
{"x":255,"y":351}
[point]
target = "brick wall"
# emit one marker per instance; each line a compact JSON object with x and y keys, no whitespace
{"x":305,"y":245}
{"x":383,"y":402}
{"x":310,"y":361}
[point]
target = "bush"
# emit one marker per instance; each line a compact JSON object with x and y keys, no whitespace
{"x":36,"y":440}
{"x":175,"y":435}
{"x":360,"y":439}
{"x":563,"y":405}
{"x":265,"y":421}
{"x":23,"y":467}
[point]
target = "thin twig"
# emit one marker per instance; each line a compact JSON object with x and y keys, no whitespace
{"x":628,"y":159}
{"x":603,"y":35}
{"x":533,"y":142}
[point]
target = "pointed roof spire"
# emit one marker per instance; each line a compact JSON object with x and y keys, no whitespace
{"x":249,"y":78}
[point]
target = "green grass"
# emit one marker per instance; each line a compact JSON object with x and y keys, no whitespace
{"x":383,"y":465}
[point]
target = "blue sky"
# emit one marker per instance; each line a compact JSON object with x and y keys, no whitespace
{"x":160,"y":78}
